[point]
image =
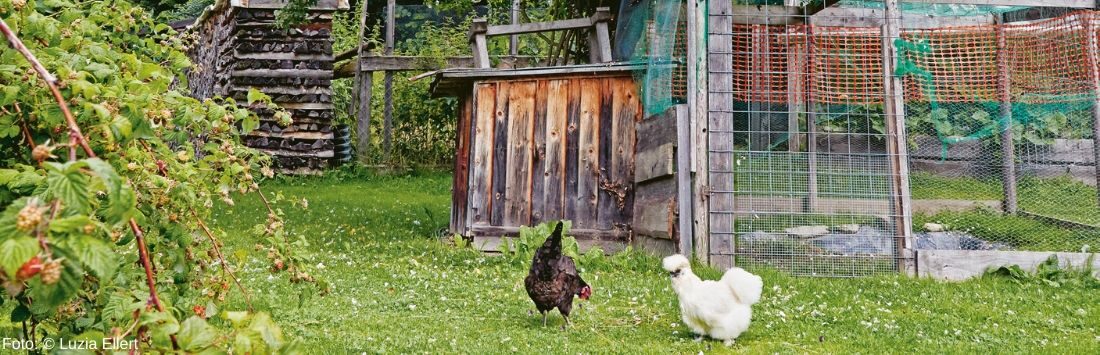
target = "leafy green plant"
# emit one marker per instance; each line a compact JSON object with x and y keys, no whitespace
{"x":113,"y":166}
{"x":1051,"y":273}
{"x":521,"y":249}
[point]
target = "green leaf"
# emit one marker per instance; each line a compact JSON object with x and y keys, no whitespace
{"x":163,"y":325}
{"x":121,"y":128}
{"x":141,"y":128}
{"x":84,"y":88}
{"x":250,"y":123}
{"x":66,"y":182}
{"x":195,"y":334}
{"x":16,"y":251}
{"x":69,"y":224}
{"x":10,"y":93}
{"x":268,"y":330}
{"x":48,"y":297}
{"x":101,"y":111}
{"x":255,"y":96}
{"x":121,"y":201}
{"x":236,"y":317}
{"x":105,"y":171}
{"x":99,"y":70}
{"x":96,"y":254}
{"x":245,"y":342}
{"x":20,"y":313}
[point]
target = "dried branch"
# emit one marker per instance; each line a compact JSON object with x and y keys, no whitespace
{"x":221,"y":257}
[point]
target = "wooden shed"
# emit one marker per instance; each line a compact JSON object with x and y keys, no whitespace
{"x":542,"y":144}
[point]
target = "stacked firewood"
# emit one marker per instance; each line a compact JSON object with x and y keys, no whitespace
{"x":240,"y":48}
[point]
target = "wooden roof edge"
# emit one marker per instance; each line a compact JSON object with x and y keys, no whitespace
{"x":447,"y":81}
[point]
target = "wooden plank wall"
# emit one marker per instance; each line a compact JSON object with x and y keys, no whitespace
{"x":460,"y":187}
{"x":656,"y":211}
{"x":552,"y":148}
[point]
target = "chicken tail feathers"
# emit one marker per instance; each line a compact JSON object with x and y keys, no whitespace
{"x":557,"y":232}
{"x":746,"y":286}
{"x":553,"y":242}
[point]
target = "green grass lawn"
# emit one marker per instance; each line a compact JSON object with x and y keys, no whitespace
{"x":787,"y":175}
{"x":397,"y":289}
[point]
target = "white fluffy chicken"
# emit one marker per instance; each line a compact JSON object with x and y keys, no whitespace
{"x":719,"y":309}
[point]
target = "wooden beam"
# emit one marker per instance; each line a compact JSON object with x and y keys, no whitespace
{"x":762,"y":14}
{"x":403,"y":63}
{"x":589,"y":69}
{"x":363,"y":83}
{"x":479,"y":43}
{"x":683,"y":177}
{"x":533,"y":27}
{"x":1092,"y":50}
{"x":603,"y":37}
{"x":513,"y":43}
{"x":1077,"y":4}
{"x":387,"y":81}
{"x":869,"y":17}
{"x":697,"y":98}
{"x":619,"y":235}
{"x":813,"y":7}
{"x":283,"y":73}
{"x":897,"y":147}
{"x":1008,"y":146}
{"x":811,"y":130}
{"x":414,"y":63}
{"x":719,"y":139}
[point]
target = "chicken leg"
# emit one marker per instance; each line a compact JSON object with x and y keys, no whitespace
{"x":543,"y":318}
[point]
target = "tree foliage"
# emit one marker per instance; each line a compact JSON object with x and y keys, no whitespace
{"x":77,"y":226}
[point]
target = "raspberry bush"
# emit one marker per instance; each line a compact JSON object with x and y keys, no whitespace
{"x":108,"y":171}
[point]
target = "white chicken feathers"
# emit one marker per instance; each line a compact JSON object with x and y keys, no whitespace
{"x":719,"y":309}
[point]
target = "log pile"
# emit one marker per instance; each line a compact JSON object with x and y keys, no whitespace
{"x":240,"y":48}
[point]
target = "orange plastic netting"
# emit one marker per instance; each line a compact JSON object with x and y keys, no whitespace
{"x":1046,"y":62}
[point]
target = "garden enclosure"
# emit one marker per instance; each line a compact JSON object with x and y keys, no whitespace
{"x":838,"y":138}
{"x":855,"y":138}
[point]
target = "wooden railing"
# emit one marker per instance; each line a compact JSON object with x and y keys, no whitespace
{"x":599,"y":40}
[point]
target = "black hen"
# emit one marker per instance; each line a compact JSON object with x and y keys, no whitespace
{"x":553,"y":279}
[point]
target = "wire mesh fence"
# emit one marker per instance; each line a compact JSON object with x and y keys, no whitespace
{"x":802,"y":180}
{"x":1002,"y":116}
{"x":998,"y":138}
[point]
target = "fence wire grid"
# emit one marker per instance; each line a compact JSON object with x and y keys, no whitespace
{"x":998,"y":125}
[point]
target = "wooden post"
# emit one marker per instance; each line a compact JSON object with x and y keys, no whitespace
{"x":894,"y":109}
{"x":478,"y":43}
{"x":603,"y":38}
{"x":683,"y":177}
{"x":1008,"y":148}
{"x":811,"y":124}
{"x":760,"y":115}
{"x":362,"y":97}
{"x":1094,"y":73}
{"x":697,"y":98}
{"x":387,"y":122}
{"x":513,"y":42}
{"x":720,"y":137}
{"x":795,"y":91}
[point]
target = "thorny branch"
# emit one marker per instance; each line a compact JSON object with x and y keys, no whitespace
{"x":221,"y":257}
